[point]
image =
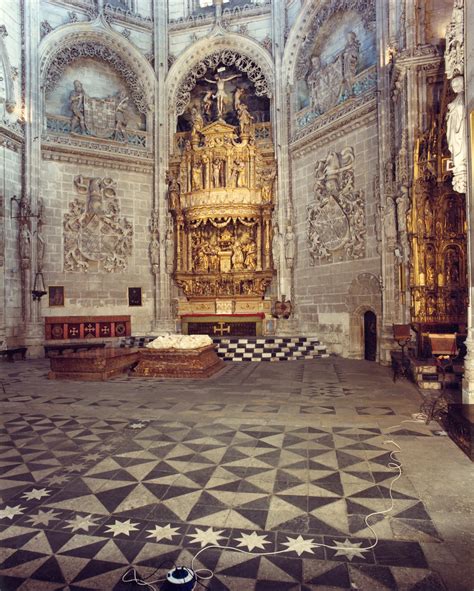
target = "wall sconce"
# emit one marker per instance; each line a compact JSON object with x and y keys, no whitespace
{"x":38,"y":290}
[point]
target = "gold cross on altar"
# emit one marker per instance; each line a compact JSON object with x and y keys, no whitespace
{"x":221,"y":328}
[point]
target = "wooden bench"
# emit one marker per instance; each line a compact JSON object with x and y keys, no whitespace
{"x":12,"y":351}
{"x":58,"y":349}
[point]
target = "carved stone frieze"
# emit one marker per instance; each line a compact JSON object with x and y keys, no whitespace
{"x":336,"y":218}
{"x":95,"y":236}
{"x":454,"y":53}
{"x":154,"y":246}
{"x":46,"y":28}
{"x":93,"y":49}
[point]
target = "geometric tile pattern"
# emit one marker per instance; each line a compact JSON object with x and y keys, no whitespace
{"x":113,"y":481}
{"x":254,"y":348}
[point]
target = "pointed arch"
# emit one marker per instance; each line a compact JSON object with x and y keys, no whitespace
{"x":241,"y":51}
{"x":10,"y":98}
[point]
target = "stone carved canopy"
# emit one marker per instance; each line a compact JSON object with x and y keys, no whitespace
{"x":336,"y":218}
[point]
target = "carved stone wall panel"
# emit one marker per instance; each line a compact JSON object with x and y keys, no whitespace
{"x":95,"y":236}
{"x":336,"y":226}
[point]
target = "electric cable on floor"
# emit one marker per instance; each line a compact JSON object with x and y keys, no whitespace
{"x":185,"y":579}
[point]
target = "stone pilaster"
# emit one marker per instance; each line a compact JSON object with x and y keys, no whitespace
{"x":162,"y":320}
{"x":32,"y":158}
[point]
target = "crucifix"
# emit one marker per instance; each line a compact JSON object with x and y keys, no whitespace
{"x":220,"y":96}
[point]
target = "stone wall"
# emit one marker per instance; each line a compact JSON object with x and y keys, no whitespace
{"x":98,"y":292}
{"x":322,"y":285}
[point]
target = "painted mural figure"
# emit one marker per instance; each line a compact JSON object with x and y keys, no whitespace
{"x":221,"y":95}
{"x":76,"y":104}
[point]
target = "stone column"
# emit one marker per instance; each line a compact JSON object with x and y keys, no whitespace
{"x":283,"y":185}
{"x":468,"y":381}
{"x":162,"y":320}
{"x":32,"y":158}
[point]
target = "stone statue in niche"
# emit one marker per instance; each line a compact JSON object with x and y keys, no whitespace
{"x":276,"y":245}
{"x":121,"y":116}
{"x":197,"y":120}
{"x":430,"y":267}
{"x":94,"y":232}
{"x":451,"y":216}
{"x":217,"y":172}
{"x":24,"y":243}
{"x":336,"y":218}
{"x":76,"y":104}
{"x":245,"y":119}
{"x":456,"y":135}
{"x":197,"y":176}
{"x":350,"y":59}
{"x":169,"y":249}
{"x":220,"y":95}
{"x":40,"y":242}
{"x":290,"y":246}
{"x":313,"y":82}
{"x":428,"y":215}
{"x":154,"y":247}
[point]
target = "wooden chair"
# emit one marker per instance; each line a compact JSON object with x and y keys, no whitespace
{"x":400,"y":364}
{"x":444,"y":350}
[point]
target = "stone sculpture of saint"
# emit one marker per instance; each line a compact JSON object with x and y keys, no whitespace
{"x":207,"y":104}
{"x":290,"y":246}
{"x":244,"y":117}
{"x":221,"y":95}
{"x":121,"y":116}
{"x":216,"y":172}
{"x":197,"y":120}
{"x":169,"y":250}
{"x":155,"y":254}
{"x":173,"y":194}
{"x":238,"y":173}
{"x":25,"y":246}
{"x":350,"y":59}
{"x":456,"y":135}
{"x":313,"y":81}
{"x":76,"y":104}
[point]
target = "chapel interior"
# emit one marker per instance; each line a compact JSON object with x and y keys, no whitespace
{"x":236,"y":333}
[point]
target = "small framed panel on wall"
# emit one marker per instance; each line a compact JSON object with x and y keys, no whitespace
{"x":56,"y":295}
{"x":134,"y":296}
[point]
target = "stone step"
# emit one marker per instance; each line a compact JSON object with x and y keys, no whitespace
{"x":254,"y":348}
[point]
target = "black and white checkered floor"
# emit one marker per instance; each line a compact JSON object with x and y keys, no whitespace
{"x":97,"y":477}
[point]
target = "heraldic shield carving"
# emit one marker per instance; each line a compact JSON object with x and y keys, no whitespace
{"x":95,"y":236}
{"x":336,"y":220}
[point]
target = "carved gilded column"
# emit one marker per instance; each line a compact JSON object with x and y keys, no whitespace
{"x":259,"y":245}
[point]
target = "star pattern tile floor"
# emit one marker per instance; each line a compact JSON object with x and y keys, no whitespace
{"x":138,"y":472}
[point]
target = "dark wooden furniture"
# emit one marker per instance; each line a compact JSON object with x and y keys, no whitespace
{"x":400,"y":363}
{"x":12,"y":351}
{"x":86,"y":327}
{"x":99,"y":364}
{"x":59,"y":349}
{"x":218,"y":325}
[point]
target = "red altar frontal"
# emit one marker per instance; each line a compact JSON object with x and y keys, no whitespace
{"x":237,"y":325}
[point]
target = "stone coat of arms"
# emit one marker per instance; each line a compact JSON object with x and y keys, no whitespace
{"x":94,"y":232}
{"x":99,"y":115}
{"x":336,"y":218}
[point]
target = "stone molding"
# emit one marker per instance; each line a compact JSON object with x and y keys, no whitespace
{"x":344,"y":120}
{"x":245,"y":53}
{"x":97,"y":39}
{"x":228,"y":14}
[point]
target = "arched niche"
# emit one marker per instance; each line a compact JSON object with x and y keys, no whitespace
{"x":324,"y":40}
{"x":83,"y":44}
{"x":235,"y":52}
{"x":364,"y":295}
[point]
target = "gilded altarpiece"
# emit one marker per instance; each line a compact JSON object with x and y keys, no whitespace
{"x":437,"y":225}
{"x":221,"y":202}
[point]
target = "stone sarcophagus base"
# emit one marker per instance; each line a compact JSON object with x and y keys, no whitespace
{"x":98,"y":364}
{"x":178,"y":363}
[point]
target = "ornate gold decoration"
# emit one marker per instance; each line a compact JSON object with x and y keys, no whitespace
{"x":437,"y":230}
{"x":221,"y":199}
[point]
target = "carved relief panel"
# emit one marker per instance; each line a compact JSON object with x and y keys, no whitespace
{"x":336,"y":218}
{"x":95,"y":236}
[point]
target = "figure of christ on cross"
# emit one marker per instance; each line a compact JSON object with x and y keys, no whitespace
{"x":221,"y":96}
